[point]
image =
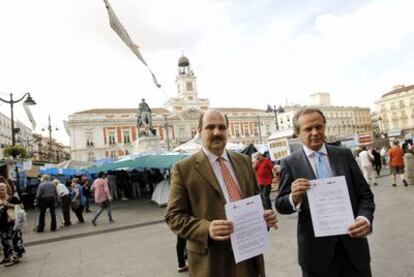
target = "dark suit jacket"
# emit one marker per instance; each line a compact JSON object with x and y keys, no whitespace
{"x":316,"y":254}
{"x":195,"y":200}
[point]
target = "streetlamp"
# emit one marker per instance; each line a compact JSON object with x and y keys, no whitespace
{"x":166,"y":126}
{"x":260,"y":130}
{"x":275,"y":110}
{"x":49,"y":128}
{"x":28,"y":101}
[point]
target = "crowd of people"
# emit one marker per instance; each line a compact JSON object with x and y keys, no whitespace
{"x":372,"y":159}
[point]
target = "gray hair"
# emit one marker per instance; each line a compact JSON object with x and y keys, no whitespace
{"x":45,"y":177}
{"x":304,"y":111}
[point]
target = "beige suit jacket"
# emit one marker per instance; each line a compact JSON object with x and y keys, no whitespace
{"x":195,"y":200}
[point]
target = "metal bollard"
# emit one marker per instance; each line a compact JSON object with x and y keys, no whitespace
{"x":409,"y":168}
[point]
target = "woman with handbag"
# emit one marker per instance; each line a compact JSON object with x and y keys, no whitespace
{"x":102,"y":196}
{"x":77,"y":199}
{"x":11,"y":238}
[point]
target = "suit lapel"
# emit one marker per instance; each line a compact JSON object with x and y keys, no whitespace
{"x":304,"y":165}
{"x":203,"y":166}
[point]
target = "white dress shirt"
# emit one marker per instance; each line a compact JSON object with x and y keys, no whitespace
{"x":62,"y":190}
{"x":217,"y":171}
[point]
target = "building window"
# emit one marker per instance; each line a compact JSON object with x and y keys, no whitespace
{"x":189,"y":86}
{"x":111,"y":138}
{"x":237,"y":131}
{"x":89,"y":139}
{"x":181,"y":132}
{"x":126,"y":137}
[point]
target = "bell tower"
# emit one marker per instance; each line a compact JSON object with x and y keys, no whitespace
{"x":186,"y":80}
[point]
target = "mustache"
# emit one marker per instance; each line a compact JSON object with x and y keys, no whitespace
{"x":217,"y":138}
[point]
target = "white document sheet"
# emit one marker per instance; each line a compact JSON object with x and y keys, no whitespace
{"x":250,"y":230}
{"x":330,"y":206}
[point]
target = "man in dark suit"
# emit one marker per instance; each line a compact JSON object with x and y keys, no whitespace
{"x":332,"y":256}
{"x":201,"y":184}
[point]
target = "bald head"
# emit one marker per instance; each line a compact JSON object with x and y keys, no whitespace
{"x":213,"y":130}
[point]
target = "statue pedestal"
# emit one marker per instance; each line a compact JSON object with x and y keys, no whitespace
{"x":147,"y":144}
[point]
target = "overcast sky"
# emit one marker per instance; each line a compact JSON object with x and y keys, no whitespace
{"x":246,"y":53}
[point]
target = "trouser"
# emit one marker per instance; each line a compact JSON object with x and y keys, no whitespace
{"x":66,"y":209}
{"x":265,"y":192}
{"x":136,"y":191}
{"x":87,"y":201}
{"x":369,"y":174}
{"x":113,"y":189}
{"x":104,"y":205}
{"x":377,"y":167}
{"x":44,"y":204}
{"x":341,"y":266}
{"x":79,"y":213}
{"x":181,"y":252}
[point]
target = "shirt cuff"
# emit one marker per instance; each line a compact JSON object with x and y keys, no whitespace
{"x":295,"y":208}
{"x":364,"y":218}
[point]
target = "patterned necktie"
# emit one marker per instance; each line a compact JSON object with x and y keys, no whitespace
{"x":232,"y":188}
{"x":322,"y":169}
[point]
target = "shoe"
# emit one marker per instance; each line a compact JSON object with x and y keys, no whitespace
{"x":182,"y":269}
{"x":68,"y":224}
{"x":375,"y":184}
{"x":5,"y":261}
{"x":12,"y":262}
{"x":93,"y":222}
{"x":81,"y":221}
{"x":111,"y":221}
{"x":405,"y":183}
{"x":394,"y":185}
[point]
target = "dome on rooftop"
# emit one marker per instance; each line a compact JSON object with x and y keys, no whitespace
{"x":183,"y":61}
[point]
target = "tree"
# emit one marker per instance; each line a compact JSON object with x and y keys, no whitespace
{"x":15,"y":151}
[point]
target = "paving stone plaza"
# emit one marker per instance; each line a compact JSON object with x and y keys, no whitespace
{"x":139,"y":243}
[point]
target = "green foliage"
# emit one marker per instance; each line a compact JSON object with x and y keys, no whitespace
{"x":15,"y":151}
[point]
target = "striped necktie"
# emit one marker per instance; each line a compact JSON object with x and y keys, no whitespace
{"x":322,"y":169}
{"x":232,"y":188}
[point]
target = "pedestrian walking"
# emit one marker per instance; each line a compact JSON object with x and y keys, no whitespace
{"x":396,"y":163}
{"x":264,"y":176}
{"x":383,"y":154}
{"x":46,"y":198}
{"x":102,"y":196}
{"x":77,"y":199}
{"x":366,"y":159}
{"x":64,"y":199}
{"x":86,"y":189}
{"x":377,"y":160}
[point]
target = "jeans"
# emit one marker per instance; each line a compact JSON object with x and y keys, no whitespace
{"x":104,"y":205}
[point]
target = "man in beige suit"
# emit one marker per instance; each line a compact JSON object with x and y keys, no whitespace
{"x":200,"y":186}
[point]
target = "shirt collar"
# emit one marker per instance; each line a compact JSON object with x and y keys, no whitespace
{"x":213,"y":158}
{"x":309,"y":152}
